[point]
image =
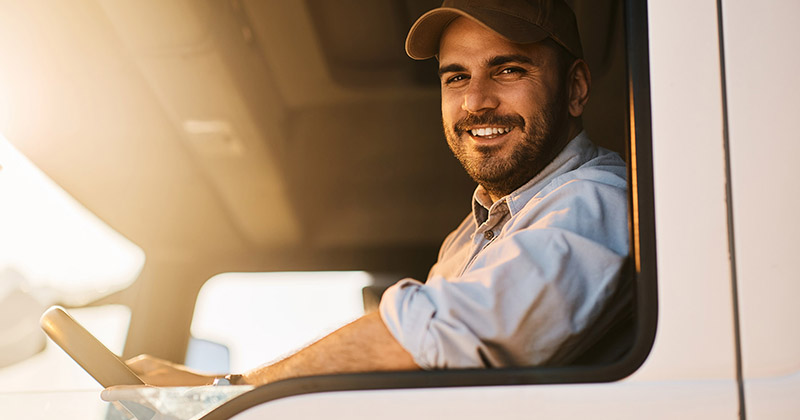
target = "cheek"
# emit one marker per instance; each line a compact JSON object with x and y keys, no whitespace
{"x":525,"y":107}
{"x":527,"y":102}
{"x":450,"y":108}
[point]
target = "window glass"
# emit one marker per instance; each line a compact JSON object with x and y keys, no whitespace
{"x":261,"y":317}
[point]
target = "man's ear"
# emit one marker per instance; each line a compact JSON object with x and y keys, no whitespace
{"x":579,"y":83}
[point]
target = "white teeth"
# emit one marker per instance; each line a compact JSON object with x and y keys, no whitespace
{"x":493,"y":131}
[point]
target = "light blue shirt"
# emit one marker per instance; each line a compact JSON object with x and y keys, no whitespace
{"x":521,"y":276}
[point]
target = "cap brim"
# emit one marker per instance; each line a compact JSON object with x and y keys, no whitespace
{"x":422,"y":41}
{"x":424,"y":37}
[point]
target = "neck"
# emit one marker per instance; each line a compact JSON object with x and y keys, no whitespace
{"x":575,"y":128}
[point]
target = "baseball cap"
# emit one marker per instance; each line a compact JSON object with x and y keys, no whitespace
{"x":519,"y":21}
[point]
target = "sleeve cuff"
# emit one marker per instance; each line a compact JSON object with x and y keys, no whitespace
{"x":407,"y":311}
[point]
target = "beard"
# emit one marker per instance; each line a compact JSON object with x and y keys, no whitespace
{"x":543,"y":136}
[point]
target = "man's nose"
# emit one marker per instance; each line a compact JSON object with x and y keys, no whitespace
{"x":479,"y":96}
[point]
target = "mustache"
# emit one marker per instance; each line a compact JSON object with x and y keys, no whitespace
{"x":489,"y":118}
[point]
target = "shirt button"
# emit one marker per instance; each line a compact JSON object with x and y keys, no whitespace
{"x":488,"y":235}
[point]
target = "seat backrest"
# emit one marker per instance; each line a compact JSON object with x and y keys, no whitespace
{"x":611,"y":335}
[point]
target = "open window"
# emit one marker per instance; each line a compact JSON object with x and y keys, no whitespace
{"x":252,"y":136}
{"x":615,"y":39}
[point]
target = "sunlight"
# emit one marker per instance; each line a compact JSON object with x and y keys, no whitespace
{"x":58,"y":249}
{"x":262,"y":316}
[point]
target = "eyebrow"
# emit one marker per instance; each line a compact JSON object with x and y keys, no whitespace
{"x":451,"y":68}
{"x":493,"y":62}
{"x":511,"y":58}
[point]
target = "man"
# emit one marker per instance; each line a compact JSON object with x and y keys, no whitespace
{"x":525,"y":275}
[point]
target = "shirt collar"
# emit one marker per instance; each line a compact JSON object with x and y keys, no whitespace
{"x":578,"y":151}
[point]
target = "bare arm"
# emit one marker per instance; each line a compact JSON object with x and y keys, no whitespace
{"x":362,"y":346}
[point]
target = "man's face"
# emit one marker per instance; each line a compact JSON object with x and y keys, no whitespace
{"x":504,"y":105}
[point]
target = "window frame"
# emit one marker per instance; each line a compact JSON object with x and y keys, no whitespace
{"x":642,"y":261}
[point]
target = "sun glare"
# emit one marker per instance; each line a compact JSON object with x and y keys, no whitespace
{"x":261,"y":317}
{"x":59,"y":250}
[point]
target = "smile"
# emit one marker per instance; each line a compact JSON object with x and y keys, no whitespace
{"x":489,"y":132}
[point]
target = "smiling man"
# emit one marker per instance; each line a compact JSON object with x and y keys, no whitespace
{"x":506,"y":107}
{"x":524,"y":276}
{"x":537,"y":262}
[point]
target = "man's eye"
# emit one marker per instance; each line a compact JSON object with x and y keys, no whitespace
{"x":512,"y":70}
{"x":454,"y":79}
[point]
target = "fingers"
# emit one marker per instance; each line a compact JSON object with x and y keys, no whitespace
{"x":147,"y":364}
{"x":137,"y":401}
{"x":160,"y":372}
{"x":125,"y":393}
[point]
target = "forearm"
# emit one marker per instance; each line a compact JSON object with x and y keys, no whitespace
{"x":363,"y":346}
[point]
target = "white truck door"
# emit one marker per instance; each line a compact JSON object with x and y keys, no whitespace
{"x":691,"y":372}
{"x":761,"y":65}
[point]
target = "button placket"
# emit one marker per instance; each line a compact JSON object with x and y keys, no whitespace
{"x":495,"y":219}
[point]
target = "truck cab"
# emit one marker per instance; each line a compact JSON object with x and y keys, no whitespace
{"x":213,"y":138}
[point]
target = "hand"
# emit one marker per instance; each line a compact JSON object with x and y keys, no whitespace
{"x":158,"y":372}
{"x":133,"y":400}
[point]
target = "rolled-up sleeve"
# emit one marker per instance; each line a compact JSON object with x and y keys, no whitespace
{"x":407,"y":312}
{"x":434,"y":338}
